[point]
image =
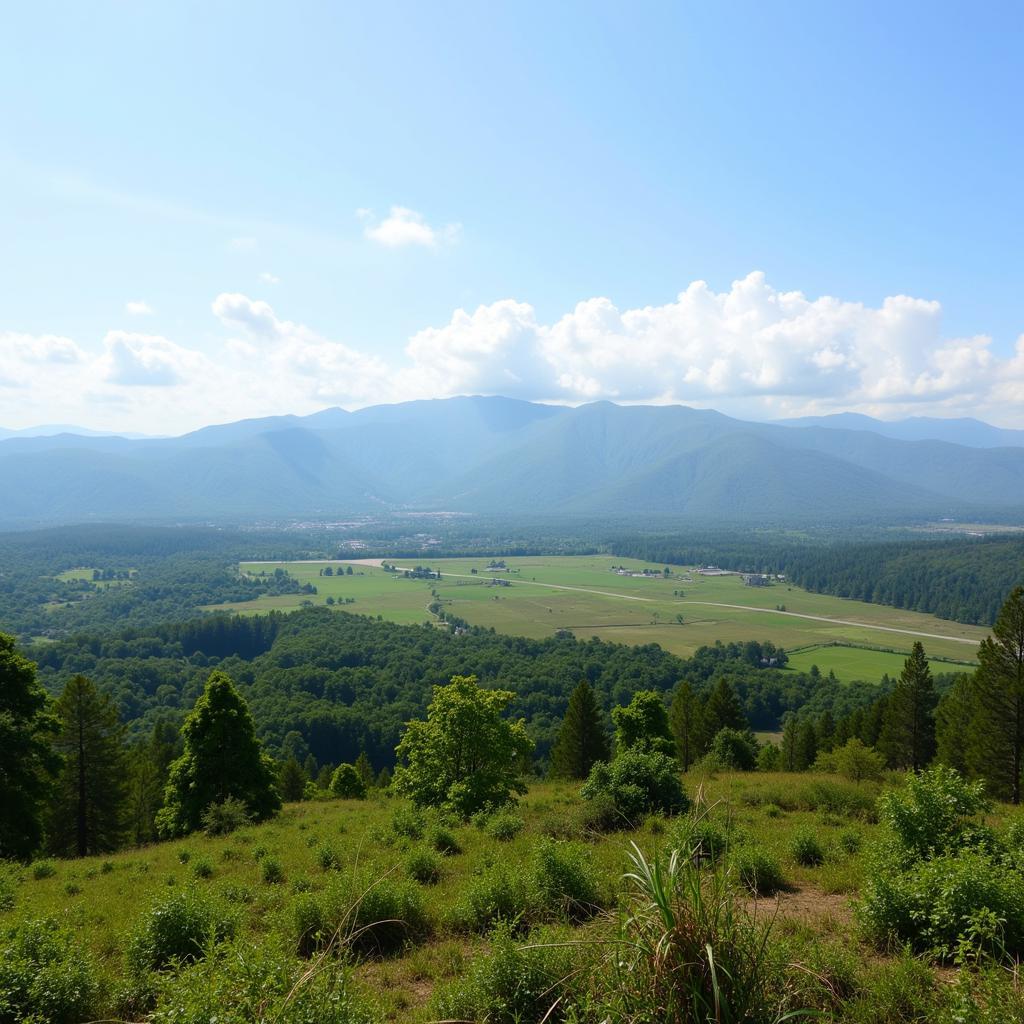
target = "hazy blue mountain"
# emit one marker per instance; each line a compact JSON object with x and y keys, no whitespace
{"x":50,"y":429}
{"x":497,"y":455}
{"x":965,"y":430}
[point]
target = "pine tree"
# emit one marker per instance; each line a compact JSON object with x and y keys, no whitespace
{"x":292,"y":780}
{"x":28,"y":761}
{"x":723,"y":710}
{"x":807,"y":745}
{"x":365,"y":769}
{"x":687,"y":720}
{"x":148,"y":766}
{"x":88,"y":811}
{"x":996,"y":740}
{"x":222,"y":758}
{"x":790,"y":744}
{"x":582,"y":740}
{"x":907,"y":735}
{"x":952,"y":716}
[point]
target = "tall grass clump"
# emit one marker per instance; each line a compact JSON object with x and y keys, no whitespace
{"x":45,"y":975}
{"x":758,"y":871}
{"x":562,"y":882}
{"x":687,"y":951}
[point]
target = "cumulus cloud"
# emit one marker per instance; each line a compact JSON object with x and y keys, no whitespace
{"x":268,"y":278}
{"x":403,"y":226}
{"x":147,"y":360}
{"x":138,"y":308}
{"x":750,"y":350}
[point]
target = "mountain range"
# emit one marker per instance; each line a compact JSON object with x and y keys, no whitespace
{"x":501,"y":456}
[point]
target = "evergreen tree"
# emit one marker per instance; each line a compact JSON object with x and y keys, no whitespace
{"x":28,"y":761}
{"x":686,"y":717}
{"x":292,"y":780}
{"x":907,"y":735}
{"x":310,"y":767}
{"x":952,"y":717}
{"x":222,"y":758}
{"x":148,"y":766}
{"x":88,"y":811}
{"x":996,"y":739}
{"x":364,"y":769}
{"x":643,"y":725}
{"x":723,"y":710}
{"x":582,"y":739}
{"x":807,"y":745}
{"x":790,"y":744}
{"x":826,"y":730}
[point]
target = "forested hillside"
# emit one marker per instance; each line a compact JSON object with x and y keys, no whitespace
{"x":346,"y":683}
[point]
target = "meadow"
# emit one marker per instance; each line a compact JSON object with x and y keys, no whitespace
{"x":681,"y":612}
{"x":814,"y":830}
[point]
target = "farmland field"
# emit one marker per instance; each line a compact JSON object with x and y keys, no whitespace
{"x":583,"y":594}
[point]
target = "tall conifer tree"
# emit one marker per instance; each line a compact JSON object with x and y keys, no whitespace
{"x":952,"y":717}
{"x":723,"y":710}
{"x":996,"y":741}
{"x":686,"y":717}
{"x":907,"y":735}
{"x":28,"y":762}
{"x":583,"y":739}
{"x":88,"y":812}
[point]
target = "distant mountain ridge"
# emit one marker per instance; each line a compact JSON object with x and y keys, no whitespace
{"x":964,"y":430}
{"x":505,"y":456}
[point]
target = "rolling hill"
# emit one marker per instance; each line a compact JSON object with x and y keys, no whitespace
{"x":504,"y":456}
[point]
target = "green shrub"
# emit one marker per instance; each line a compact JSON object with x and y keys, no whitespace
{"x":408,"y":823}
{"x":504,"y":826}
{"x":846,"y":799}
{"x":180,"y":926}
{"x":184,"y":856}
{"x":227,"y":816}
{"x":346,"y":782}
{"x":758,"y":870}
{"x":43,"y":869}
{"x":202,"y":868}
{"x":562,"y":882}
{"x":700,"y":839}
{"x":638,"y":784}
{"x":806,"y":849}
{"x":443,"y":840}
{"x":245,"y":983}
{"x":423,"y":866}
{"x":514,"y":983}
{"x":45,"y":976}
{"x":367,"y":916}
{"x":328,"y":857}
{"x":271,"y":871}
{"x":850,"y":841}
{"x":772,"y":810}
{"x":597,"y":815}
{"x":497,"y":894}
{"x":856,"y":762}
{"x":733,"y":750}
{"x":10,"y":879}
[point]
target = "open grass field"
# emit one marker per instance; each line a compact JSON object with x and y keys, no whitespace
{"x":584,"y":595}
{"x":317,"y":845}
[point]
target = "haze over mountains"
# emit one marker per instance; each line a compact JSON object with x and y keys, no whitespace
{"x":504,"y":456}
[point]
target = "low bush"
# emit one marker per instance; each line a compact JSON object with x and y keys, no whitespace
{"x":181,"y":926}
{"x":846,"y":799}
{"x":328,"y":857}
{"x":562,"y":882}
{"x":596,"y":816}
{"x":638,"y":784}
{"x":408,"y":823}
{"x":496,"y":894}
{"x":202,"y":868}
{"x":43,"y":869}
{"x":245,"y":983}
{"x":700,"y":839}
{"x":443,"y":840}
{"x":806,"y":849}
{"x":423,"y":866}
{"x":10,"y":879}
{"x":515,"y":982}
{"x":45,"y":976}
{"x":758,"y":871}
{"x":271,"y":871}
{"x":732,"y":750}
{"x":504,"y":825}
{"x":227,"y":816}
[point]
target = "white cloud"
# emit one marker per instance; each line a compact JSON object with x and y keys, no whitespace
{"x":268,"y":278}
{"x":138,"y":308}
{"x":147,"y":360}
{"x":749,"y":350}
{"x":403,"y":226}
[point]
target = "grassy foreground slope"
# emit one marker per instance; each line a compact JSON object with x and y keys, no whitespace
{"x":584,"y":595}
{"x":266,"y":879}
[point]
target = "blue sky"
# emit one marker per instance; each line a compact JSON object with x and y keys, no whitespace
{"x":215,"y":210}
